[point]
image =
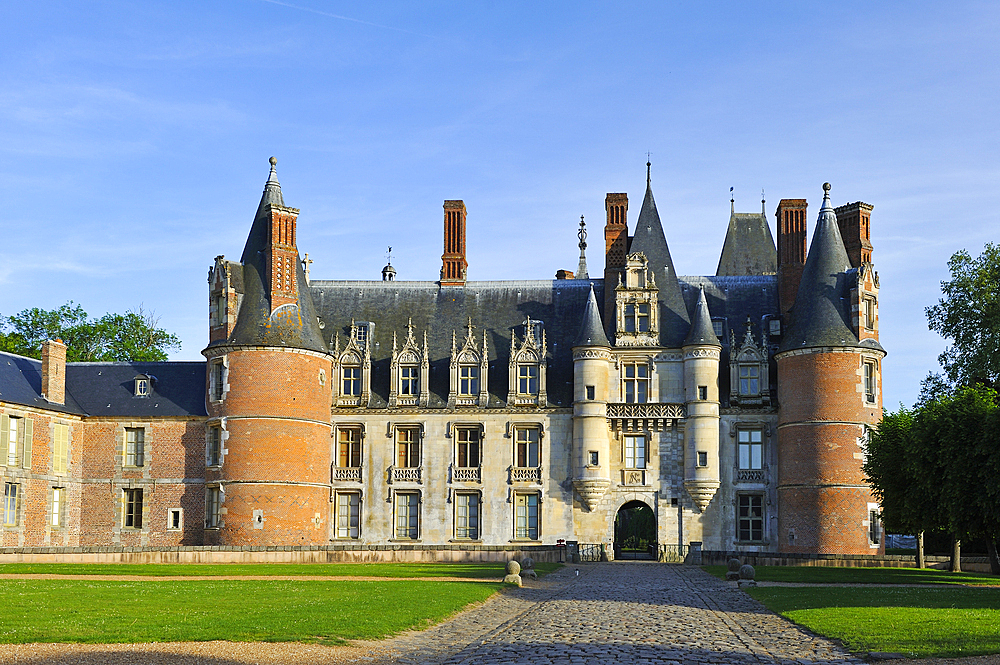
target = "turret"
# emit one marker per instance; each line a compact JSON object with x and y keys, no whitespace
{"x":828,"y":392}
{"x":701,"y":398}
{"x":591,"y":369}
{"x":267,"y":450}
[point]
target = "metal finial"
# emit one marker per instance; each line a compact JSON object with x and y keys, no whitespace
{"x":273,"y":176}
{"x":732,"y":201}
{"x":826,"y":187}
{"x":763,"y":211}
{"x":648,"y":165}
{"x":581,"y":272}
{"x":388,"y":256}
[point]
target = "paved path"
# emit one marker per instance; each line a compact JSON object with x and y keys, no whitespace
{"x":625,"y":612}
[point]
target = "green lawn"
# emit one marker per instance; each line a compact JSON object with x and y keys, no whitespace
{"x":830,"y":575}
{"x":942,"y":622}
{"x":480,"y":570}
{"x":259,"y":610}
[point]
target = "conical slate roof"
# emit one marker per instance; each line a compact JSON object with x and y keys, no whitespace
{"x":591,"y":328}
{"x":749,"y":247}
{"x":254,"y":324}
{"x":650,"y":240}
{"x":701,"y":333}
{"x":820,"y":316}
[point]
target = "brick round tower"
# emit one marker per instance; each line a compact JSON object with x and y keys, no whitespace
{"x":829,"y":364}
{"x":268,"y":442}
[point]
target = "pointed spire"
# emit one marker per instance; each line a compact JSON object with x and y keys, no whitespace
{"x":749,"y":246}
{"x":581,"y":272}
{"x":820,"y":316}
{"x":650,"y":240}
{"x":701,"y":333}
{"x":272,"y":188}
{"x":648,"y":172}
{"x":732,"y":202}
{"x":591,"y":328}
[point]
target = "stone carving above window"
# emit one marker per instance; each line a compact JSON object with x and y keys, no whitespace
{"x":749,"y":383}
{"x":526,"y":385}
{"x":410,"y":371}
{"x":637,"y":313}
{"x":352,"y":368}
{"x":469,"y":369}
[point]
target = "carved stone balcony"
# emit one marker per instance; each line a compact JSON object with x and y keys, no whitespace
{"x":751,"y":476}
{"x":651,"y":416}
{"x":466,"y":474}
{"x":350,"y":473}
{"x":529,"y":474}
{"x":404,"y":474}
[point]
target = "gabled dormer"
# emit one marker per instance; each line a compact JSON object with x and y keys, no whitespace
{"x":225,"y":293}
{"x":749,"y":380}
{"x":636,"y":313}
{"x":410,"y":371}
{"x":526,"y":385}
{"x":352,"y":370}
{"x":469,"y":368}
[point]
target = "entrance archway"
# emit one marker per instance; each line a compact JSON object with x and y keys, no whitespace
{"x":635,"y":531}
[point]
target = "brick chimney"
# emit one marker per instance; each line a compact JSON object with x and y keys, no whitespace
{"x":615,"y":249}
{"x":54,"y":371}
{"x":854,"y":220}
{"x":791,"y":219}
{"x":453,"y":263}
{"x":283,"y":256}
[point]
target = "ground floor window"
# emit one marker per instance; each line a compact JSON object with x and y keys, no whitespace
{"x":11,"y":497}
{"x":212,"y":508}
{"x":58,"y":499}
{"x":526,"y":516}
{"x":132,"y":516}
{"x":874,"y":525}
{"x":750,"y":519}
{"x":348,"y":515}
{"x":467,"y":516}
{"x":407,"y":514}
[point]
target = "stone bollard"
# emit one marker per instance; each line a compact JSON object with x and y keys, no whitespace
{"x":513,"y":568}
{"x":747,"y":574}
{"x":528,"y":568}
{"x":733,"y":570}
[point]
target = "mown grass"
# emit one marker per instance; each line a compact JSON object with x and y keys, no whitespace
{"x":260,"y":610}
{"x":471,"y":570}
{"x":940,"y":622}
{"x":830,"y":575}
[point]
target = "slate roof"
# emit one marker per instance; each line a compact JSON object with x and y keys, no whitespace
{"x":821,"y":314}
{"x":21,"y":383}
{"x":254,"y":325}
{"x":499,"y":307}
{"x":108,"y":389}
{"x":650,"y":240}
{"x":592,"y":330}
{"x":701,"y":332}
{"x":749,"y":247}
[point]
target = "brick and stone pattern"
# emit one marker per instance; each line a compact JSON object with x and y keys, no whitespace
{"x":276,"y":465}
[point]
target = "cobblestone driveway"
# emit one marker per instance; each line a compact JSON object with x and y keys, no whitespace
{"x":624,"y":612}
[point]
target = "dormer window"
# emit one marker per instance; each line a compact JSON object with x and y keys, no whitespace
{"x":527,"y":379}
{"x":637,"y":318}
{"x":527,"y":366}
{"x":351,"y":374}
{"x":409,"y":369}
{"x":468,"y":369}
{"x":409,"y":381}
{"x":748,"y":370}
{"x":352,"y":371}
{"x":142,"y":385}
{"x":363,"y":332}
{"x":749,"y":380}
{"x":468,"y":380}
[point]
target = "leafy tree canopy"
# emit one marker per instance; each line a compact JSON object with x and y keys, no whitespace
{"x":969,"y":315}
{"x":132,"y":336}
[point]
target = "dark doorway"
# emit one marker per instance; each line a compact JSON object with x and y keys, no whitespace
{"x":635,"y":532}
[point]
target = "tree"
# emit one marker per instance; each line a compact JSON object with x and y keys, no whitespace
{"x":969,"y":315}
{"x":132,"y":336}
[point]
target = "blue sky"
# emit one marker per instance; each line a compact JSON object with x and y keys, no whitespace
{"x":135,"y":138}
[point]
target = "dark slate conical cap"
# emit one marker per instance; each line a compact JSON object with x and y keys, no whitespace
{"x":749,"y":247}
{"x":820,"y":316}
{"x":591,"y":328}
{"x":651,"y":241}
{"x":255,"y":325}
{"x":701,"y":333}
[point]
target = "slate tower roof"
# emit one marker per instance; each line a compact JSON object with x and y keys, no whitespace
{"x":701,"y":332}
{"x":749,"y":247}
{"x":256,"y":323}
{"x":650,"y":240}
{"x":591,"y":328}
{"x":820,"y":316}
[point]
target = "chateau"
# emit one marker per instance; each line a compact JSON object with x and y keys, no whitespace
{"x":478,"y":413}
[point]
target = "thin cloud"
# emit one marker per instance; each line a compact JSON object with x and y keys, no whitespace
{"x":346,"y":18}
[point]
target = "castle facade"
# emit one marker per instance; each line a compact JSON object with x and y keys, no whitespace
{"x":733,"y":408}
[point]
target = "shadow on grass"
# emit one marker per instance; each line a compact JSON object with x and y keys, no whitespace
{"x":832,"y":575}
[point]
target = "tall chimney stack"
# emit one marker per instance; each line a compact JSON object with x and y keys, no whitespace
{"x":615,"y":250}
{"x":791,"y":219}
{"x":54,"y":371}
{"x":453,"y":263}
{"x":854,"y":220}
